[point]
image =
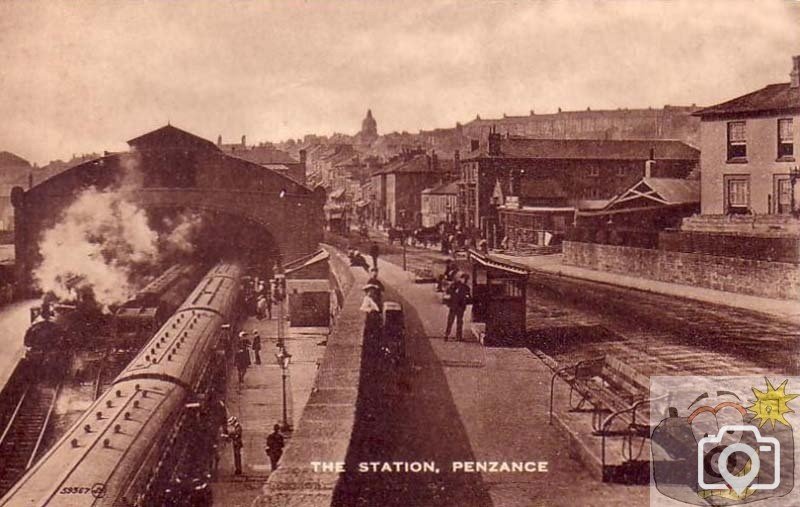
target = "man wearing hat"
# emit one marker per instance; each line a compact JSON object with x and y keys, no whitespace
{"x":275,"y":444}
{"x":235,"y":435}
{"x":460,"y":297}
{"x":242,"y":359}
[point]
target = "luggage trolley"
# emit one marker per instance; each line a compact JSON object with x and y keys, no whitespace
{"x":394,"y":342}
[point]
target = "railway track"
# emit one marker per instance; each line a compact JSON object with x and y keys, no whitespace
{"x":570,"y":320}
{"x":20,"y":442}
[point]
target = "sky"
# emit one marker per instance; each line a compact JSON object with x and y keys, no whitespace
{"x":84,"y":76}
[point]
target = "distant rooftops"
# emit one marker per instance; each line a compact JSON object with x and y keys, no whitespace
{"x":589,"y":149}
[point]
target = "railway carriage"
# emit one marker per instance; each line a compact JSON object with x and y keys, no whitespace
{"x":130,"y":445}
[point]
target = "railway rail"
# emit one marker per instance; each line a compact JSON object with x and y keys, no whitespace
{"x":21,"y":440}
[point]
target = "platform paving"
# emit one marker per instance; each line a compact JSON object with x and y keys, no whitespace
{"x":258,"y":404}
{"x":461,"y":401}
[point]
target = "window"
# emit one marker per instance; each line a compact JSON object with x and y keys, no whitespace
{"x":785,"y":141}
{"x":593,"y":193}
{"x":621,"y":170}
{"x":594,"y":171}
{"x":737,"y":140}
{"x":737,"y":193}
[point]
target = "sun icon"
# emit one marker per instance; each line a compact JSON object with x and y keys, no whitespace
{"x":772,"y":404}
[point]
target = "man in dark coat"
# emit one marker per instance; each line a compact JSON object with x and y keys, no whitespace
{"x":242,"y":362}
{"x":256,"y":346}
{"x":460,"y":297}
{"x":275,"y":444}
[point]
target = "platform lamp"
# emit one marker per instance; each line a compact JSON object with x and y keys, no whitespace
{"x":403,"y":237}
{"x":283,"y":359}
{"x":794,"y":174}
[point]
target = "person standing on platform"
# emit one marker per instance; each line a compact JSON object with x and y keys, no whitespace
{"x":257,"y":347}
{"x":373,"y":280}
{"x":460,"y":297}
{"x":242,"y":361}
{"x":373,"y":322}
{"x":373,"y":252}
{"x":275,"y":444}
{"x":235,"y":435}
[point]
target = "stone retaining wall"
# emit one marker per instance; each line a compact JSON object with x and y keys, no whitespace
{"x":776,"y":280}
{"x":324,"y":431}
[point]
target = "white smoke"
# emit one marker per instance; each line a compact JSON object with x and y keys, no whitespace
{"x":103,"y":242}
{"x":183,"y":229}
{"x":101,"y":239}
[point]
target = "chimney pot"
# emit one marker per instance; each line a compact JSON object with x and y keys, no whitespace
{"x":795,"y":74}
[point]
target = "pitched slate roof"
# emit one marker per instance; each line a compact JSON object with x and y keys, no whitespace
{"x":661,"y":191}
{"x":261,"y":155}
{"x":171,"y":138}
{"x":415,"y":164}
{"x":775,"y":98}
{"x":9,"y":159}
{"x":591,"y":149}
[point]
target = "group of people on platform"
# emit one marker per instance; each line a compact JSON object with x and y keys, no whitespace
{"x":248,"y":352}
{"x":259,"y":298}
{"x":458,"y":296}
{"x":232,"y":432}
{"x":243,"y":358}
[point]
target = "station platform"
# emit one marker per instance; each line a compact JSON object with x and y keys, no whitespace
{"x":258,"y":404}
{"x":462,"y":401}
{"x":553,"y":264}
{"x":15,"y":318}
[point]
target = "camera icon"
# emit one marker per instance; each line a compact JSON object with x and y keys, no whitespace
{"x":711,"y":451}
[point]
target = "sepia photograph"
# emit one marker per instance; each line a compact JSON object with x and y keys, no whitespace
{"x":445,"y":253}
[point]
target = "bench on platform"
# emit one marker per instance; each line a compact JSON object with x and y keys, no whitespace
{"x":613,"y":392}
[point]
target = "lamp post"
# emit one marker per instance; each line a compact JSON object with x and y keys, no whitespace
{"x":403,"y":236}
{"x":283,"y":359}
{"x":794,"y":173}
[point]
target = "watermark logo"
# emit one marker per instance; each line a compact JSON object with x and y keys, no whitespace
{"x":722,"y":440}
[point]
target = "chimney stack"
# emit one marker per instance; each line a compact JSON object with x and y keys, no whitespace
{"x":648,"y":166}
{"x":494,"y":143}
{"x":219,"y":140}
{"x":795,"y":74}
{"x":244,"y":141}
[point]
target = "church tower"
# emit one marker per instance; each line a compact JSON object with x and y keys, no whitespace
{"x":369,"y":128}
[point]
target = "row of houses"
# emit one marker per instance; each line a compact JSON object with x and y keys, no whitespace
{"x":527,"y":192}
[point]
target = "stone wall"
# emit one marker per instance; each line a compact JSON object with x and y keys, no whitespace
{"x":324,"y":431}
{"x":744,"y":276}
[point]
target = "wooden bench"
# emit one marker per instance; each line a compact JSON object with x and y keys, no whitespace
{"x":607,"y":385}
{"x":615,"y":393}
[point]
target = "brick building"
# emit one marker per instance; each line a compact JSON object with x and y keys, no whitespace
{"x":397,"y":188}
{"x":586,"y":172}
{"x":439,"y":204}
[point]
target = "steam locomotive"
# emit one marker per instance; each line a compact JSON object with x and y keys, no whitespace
{"x":80,"y":324}
{"x":129,"y":446}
